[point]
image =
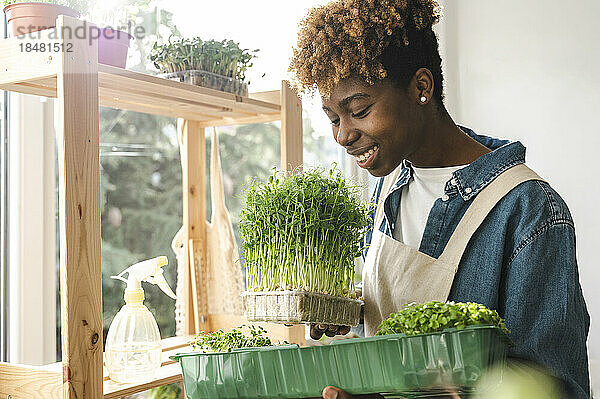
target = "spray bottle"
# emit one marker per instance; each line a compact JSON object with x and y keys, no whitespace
{"x":133,"y":351}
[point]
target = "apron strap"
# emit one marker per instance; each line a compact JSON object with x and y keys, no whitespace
{"x":483,"y":203}
{"x":388,"y":183}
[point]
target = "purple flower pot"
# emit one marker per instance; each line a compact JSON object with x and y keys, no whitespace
{"x":113,"y":46}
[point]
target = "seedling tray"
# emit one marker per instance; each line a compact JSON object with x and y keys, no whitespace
{"x":301,"y":307}
{"x":408,"y":366}
{"x":209,"y":80}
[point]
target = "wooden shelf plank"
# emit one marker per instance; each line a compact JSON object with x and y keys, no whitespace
{"x":134,"y":91}
{"x":157,"y":101}
{"x":28,"y":382}
{"x":272,"y":96}
{"x":168,"y":374}
{"x":171,"y":343}
{"x":262,"y":118}
{"x":17,"y":64}
{"x":153,"y":85}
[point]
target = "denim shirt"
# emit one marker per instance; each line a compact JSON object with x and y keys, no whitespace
{"x":521,"y":261}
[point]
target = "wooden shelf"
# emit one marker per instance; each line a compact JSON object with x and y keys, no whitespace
{"x":81,"y":86}
{"x":46,"y":381}
{"x":135,"y":91}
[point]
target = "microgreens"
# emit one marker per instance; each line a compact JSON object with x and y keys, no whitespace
{"x":220,"y":341}
{"x":224,"y":58}
{"x":303,"y":231}
{"x":437,"y":316}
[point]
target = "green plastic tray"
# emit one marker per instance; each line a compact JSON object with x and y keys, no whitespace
{"x":410,"y":366}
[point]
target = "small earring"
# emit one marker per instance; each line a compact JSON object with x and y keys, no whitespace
{"x":423,"y":99}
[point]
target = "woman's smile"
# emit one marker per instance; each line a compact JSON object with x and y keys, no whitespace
{"x":366,"y":159}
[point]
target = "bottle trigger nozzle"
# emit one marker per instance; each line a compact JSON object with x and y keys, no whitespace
{"x":150,"y":271}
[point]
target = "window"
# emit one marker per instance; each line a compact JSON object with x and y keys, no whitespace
{"x":140,"y":181}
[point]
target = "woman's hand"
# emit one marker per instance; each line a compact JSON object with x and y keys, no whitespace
{"x":331,"y":330}
{"x":317,"y":330}
{"x":336,"y":393}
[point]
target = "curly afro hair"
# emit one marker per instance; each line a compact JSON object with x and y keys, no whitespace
{"x":373,"y":39}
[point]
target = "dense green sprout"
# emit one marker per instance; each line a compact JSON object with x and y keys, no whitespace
{"x":303,"y":231}
{"x":437,"y":316}
{"x":220,"y":341}
{"x":221,"y":57}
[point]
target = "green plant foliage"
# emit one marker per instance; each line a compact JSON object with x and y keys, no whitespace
{"x":303,"y":231}
{"x":171,"y":391}
{"x":220,"y":341}
{"x":436,"y":316}
{"x":224,"y":58}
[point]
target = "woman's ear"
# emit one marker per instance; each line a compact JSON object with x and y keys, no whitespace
{"x":422,"y":86}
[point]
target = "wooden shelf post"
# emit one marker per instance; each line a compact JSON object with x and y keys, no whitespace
{"x":194,"y":220}
{"x":291,"y":128}
{"x":79,"y":210}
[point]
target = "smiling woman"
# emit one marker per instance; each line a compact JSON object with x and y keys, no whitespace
{"x":459,"y":216}
{"x":382,"y":53}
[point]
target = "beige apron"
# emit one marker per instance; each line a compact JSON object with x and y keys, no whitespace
{"x":395,"y":274}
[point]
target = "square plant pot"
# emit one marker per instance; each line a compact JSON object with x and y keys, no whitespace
{"x":209,"y":80}
{"x":301,"y":307}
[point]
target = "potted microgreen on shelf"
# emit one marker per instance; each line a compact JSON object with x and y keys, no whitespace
{"x":301,"y":234}
{"x":24,"y":17}
{"x":219,"y":65}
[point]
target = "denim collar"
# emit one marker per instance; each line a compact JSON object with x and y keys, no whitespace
{"x":471,"y":179}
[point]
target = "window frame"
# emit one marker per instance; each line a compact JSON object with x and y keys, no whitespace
{"x":31,"y":231}
{"x":4,"y":267}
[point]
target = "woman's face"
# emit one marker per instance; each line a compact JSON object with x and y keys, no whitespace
{"x":377,"y":124}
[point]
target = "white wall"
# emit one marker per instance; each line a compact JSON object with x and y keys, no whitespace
{"x":528,"y":71}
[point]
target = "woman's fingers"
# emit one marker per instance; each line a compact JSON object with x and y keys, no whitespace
{"x":331,"y":330}
{"x":336,"y":393}
{"x":344,"y":330}
{"x":317,"y":330}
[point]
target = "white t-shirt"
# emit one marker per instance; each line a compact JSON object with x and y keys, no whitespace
{"x":424,"y":187}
